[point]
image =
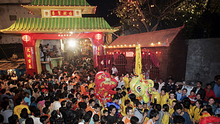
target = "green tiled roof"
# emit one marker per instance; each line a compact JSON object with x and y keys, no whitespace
{"x":55,"y":25}
{"x":60,"y":2}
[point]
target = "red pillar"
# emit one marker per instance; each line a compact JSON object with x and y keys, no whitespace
{"x":29,"y":53}
{"x":97,"y":47}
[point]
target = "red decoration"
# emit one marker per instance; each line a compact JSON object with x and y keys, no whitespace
{"x":98,"y":37}
{"x":26,"y":38}
{"x":29,"y":58}
{"x":104,"y":85}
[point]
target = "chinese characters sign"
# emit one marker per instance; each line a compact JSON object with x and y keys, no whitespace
{"x":61,"y":13}
{"x":29,"y":56}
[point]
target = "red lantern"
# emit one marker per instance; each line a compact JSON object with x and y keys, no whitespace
{"x":26,"y":38}
{"x":98,"y":37}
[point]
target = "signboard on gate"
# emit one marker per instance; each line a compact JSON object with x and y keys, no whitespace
{"x":61,"y":13}
{"x":29,"y":56}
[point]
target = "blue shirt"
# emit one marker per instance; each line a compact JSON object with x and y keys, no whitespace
{"x":185,"y":116}
{"x":178,"y":96}
{"x":26,"y":99}
{"x":216,"y":90}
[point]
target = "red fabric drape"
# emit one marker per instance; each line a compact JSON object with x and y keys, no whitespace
{"x":154,"y":60}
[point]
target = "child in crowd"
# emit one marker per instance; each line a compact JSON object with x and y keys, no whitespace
{"x":192,"y":97}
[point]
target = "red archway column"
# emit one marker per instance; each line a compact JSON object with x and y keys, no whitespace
{"x":29,"y":53}
{"x":97,"y":47}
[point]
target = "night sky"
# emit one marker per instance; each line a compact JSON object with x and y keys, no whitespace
{"x":104,"y":8}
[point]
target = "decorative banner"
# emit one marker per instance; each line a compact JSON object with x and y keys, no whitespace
{"x":61,"y":13}
{"x":29,"y":56}
{"x":99,"y":50}
{"x":138,"y":64}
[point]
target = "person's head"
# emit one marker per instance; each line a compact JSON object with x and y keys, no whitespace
{"x":186,"y":104}
{"x":198,"y":96}
{"x":192,"y":93}
{"x":174,"y":103}
{"x":156,"y":86}
{"x":179,"y":90}
{"x":78,"y":96}
{"x":63,"y":103}
{"x":199,"y":84}
{"x":86,"y":99}
{"x":158,"y":107}
{"x":19,"y":101}
{"x":199,"y":104}
{"x":134,"y":120}
{"x":82,"y":105}
{"x":208,"y":86}
{"x":172,"y":95}
{"x":166,"y":108}
{"x":29,"y":121}
{"x":178,"y":119}
{"x":26,"y":94}
{"x":112,"y":109}
{"x":96,"y":118}
{"x":184,"y":91}
{"x":45,"y":110}
{"x":105,"y":113}
{"x":163,"y":91}
{"x":211,"y":101}
{"x":37,"y":113}
{"x":47,"y":104}
{"x":139,"y":105}
{"x":97,"y":108}
{"x":87,"y":117}
{"x":154,"y":115}
{"x":115,"y":99}
{"x":132,"y":96}
{"x":44,"y":119}
{"x":13,"y":119}
{"x":24,"y":113}
{"x":74,"y":101}
{"x":129,"y":111}
{"x":5,"y":105}
{"x":178,"y":108}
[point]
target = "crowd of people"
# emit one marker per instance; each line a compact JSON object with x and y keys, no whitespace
{"x":68,"y":96}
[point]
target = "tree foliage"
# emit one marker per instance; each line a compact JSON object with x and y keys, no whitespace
{"x":151,"y":13}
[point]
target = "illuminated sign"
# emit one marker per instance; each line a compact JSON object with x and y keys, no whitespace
{"x":26,"y":38}
{"x":29,"y":56}
{"x":129,"y":54}
{"x":61,"y":13}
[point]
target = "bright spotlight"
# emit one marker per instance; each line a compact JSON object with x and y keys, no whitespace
{"x":72,"y":43}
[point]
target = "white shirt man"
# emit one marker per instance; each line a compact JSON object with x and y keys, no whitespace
{"x":120,"y":82}
{"x":114,"y":70}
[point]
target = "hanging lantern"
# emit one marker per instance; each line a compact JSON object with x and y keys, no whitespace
{"x":26,"y":38}
{"x":98,"y":36}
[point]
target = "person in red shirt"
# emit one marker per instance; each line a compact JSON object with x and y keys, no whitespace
{"x":209,"y":92}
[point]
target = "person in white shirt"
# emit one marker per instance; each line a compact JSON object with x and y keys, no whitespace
{"x":161,"y":84}
{"x":6,"y":112}
{"x":114,"y":70}
{"x":36,"y":117}
{"x":121,"y":82}
{"x":56,"y":103}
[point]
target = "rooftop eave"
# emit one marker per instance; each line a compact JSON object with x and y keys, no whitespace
{"x":36,"y":10}
{"x":57,"y":31}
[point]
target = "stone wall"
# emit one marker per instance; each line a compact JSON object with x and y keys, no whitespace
{"x":203,"y":60}
{"x":8,"y":15}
